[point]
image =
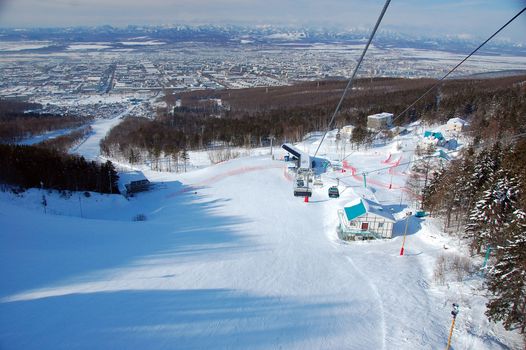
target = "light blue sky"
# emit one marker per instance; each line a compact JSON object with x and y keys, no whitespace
{"x":478,"y":18}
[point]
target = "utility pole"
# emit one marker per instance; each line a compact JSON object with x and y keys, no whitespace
{"x":486,"y":258}
{"x":78,"y":194}
{"x":44,"y":201}
{"x":306,"y":199}
{"x":454,"y":313}
{"x":271,"y":137}
{"x":109,"y":175}
{"x":407,"y":215}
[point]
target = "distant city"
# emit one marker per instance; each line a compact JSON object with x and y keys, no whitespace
{"x":108,"y":71}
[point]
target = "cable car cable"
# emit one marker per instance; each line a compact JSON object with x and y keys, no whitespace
{"x":459,"y":64}
{"x":349,"y":84}
{"x":445,"y":76}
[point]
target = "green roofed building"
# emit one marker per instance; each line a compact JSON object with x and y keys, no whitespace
{"x":365,"y":219}
{"x":433,"y":134}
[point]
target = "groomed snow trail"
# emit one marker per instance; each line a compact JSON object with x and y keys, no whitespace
{"x":227,"y":259}
{"x":89,"y":148}
{"x":238,"y":263}
{"x":295,"y":261}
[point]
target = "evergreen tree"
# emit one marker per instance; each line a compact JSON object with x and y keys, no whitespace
{"x":507,"y":282}
{"x":489,"y":217}
{"x":185,"y":157}
{"x":359,"y":136}
{"x":431,"y":199}
{"x":486,"y":165}
{"x":465,"y":182}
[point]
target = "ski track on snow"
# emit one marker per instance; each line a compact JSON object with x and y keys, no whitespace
{"x":378,"y":298}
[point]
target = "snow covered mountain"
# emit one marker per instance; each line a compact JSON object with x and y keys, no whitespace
{"x":226,"y":34}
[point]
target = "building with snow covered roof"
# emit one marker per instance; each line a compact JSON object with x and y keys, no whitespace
{"x":455,"y":125}
{"x":380,"y":121}
{"x":363,"y":218}
{"x":347,"y":130}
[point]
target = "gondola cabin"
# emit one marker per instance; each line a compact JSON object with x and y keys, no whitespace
{"x":334,"y":192}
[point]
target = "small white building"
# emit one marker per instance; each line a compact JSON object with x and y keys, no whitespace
{"x":380,"y":121}
{"x":455,"y":125}
{"x":365,"y":219}
{"x":347,"y":130}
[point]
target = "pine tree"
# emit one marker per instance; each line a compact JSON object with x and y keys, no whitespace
{"x":462,"y":188}
{"x":489,"y":217}
{"x":485,"y":167}
{"x":466,"y":183}
{"x":431,"y":194}
{"x":507,"y":282}
{"x":113,"y":177}
{"x":185,"y":157}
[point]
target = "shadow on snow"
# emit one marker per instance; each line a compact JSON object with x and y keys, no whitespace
{"x":51,"y":251}
{"x":182,"y":319}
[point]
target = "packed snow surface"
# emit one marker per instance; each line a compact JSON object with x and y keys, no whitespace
{"x":227,"y":258}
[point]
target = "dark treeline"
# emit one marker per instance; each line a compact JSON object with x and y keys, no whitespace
{"x":133,"y":136}
{"x":16,"y":125}
{"x":247,"y":117}
{"x":13,"y":106}
{"x":64,"y":142}
{"x":29,"y":166}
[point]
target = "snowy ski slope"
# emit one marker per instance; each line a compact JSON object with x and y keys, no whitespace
{"x":229,"y":259}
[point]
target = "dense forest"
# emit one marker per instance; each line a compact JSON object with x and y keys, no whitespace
{"x":247,"y":117}
{"x":64,"y":142}
{"x":46,"y":164}
{"x":29,"y":166}
{"x":483,"y":195}
{"x":16,"y":124}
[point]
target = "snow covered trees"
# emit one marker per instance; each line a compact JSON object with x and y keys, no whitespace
{"x":507,"y":282}
{"x":491,"y":187}
{"x":493,"y":212}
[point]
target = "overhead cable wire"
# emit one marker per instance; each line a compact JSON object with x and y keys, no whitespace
{"x":449,"y":73}
{"x":349,"y":84}
{"x":459,"y":64}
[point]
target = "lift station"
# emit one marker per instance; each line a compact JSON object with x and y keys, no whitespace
{"x":304,"y":173}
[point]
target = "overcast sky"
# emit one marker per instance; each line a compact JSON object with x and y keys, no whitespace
{"x":476,"y":18}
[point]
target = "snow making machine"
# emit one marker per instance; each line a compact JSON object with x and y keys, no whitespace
{"x":304,"y":174}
